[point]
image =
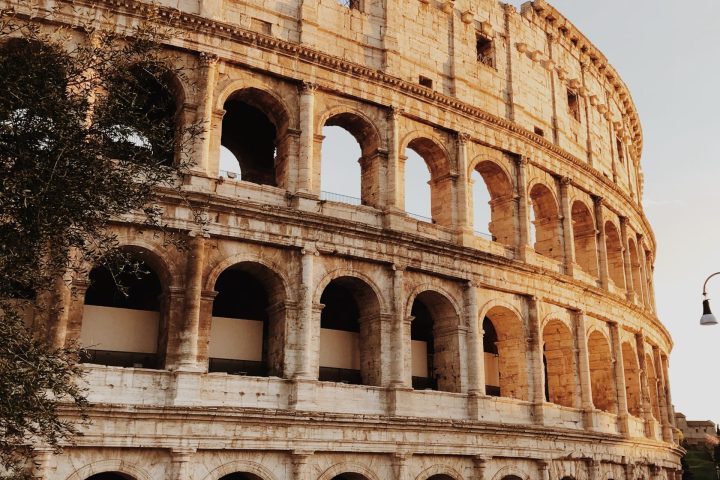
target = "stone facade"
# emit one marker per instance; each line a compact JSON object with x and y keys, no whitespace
{"x":522,"y":98}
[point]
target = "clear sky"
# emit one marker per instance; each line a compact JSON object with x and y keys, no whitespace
{"x":668,"y":53}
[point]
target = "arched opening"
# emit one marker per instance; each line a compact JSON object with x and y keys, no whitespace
{"x":350,"y":163}
{"x":545,"y":222}
{"x":434,"y":343}
{"x":110,"y":476}
{"x":241,"y":476}
{"x":635,"y":267}
{"x":632,"y":379}
{"x":350,"y":333}
{"x":511,"y":477}
{"x":602,"y":380}
{"x":141,"y":115}
{"x":254,"y":139}
{"x":583,"y":228}
{"x":504,"y":348}
{"x":440,"y":476}
{"x":652,"y":381}
{"x":350,"y":476}
{"x":560,"y":370}
{"x":248,"y":322}
{"x":491,"y":186}
{"x":123,"y":317}
{"x":440,"y":183}
{"x":616,"y":266}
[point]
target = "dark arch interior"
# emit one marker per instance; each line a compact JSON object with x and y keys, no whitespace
{"x":110,"y":476}
{"x":241,"y":295}
{"x":490,"y":337}
{"x":341,"y":312}
{"x":421,"y":329}
{"x":440,"y":476}
{"x":136,"y":287}
{"x":241,"y":476}
{"x":251,"y":137}
{"x":349,"y":476}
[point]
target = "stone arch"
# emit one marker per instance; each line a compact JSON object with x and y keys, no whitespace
{"x":585,"y":238}
{"x":602,"y":376}
{"x":510,"y":472}
{"x":367,"y":135}
{"x":243,"y":466}
{"x":359,"y":471}
{"x":652,"y":381}
{"x":546,"y":221}
{"x":349,"y":272}
{"x":248,"y":320}
{"x":507,"y":366}
{"x":616,"y":264}
{"x":255,"y":131}
{"x":112,"y":465}
{"x":499,"y":186}
{"x":350,"y":329}
{"x":439,"y":163}
{"x":632,"y":379}
{"x":272,"y":269}
{"x":128,"y":328}
{"x":436,"y":322}
{"x":439,"y":472}
{"x":560,"y":363}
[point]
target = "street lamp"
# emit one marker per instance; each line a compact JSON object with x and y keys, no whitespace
{"x":707,"y":317}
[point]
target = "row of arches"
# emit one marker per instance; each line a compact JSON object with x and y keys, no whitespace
{"x":251,"y":317}
{"x":351,"y":166}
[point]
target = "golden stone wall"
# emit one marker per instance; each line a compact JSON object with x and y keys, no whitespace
{"x":553,"y":132}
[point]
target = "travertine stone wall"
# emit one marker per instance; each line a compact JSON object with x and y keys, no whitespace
{"x":584,"y":390}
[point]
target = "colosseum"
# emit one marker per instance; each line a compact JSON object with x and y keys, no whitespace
{"x":309,"y":335}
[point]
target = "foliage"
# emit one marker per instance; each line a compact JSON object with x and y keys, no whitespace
{"x":89,"y":131}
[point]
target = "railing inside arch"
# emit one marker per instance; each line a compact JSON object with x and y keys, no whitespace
{"x":484,"y":235}
{"x":422,"y":218}
{"x":336,"y":197}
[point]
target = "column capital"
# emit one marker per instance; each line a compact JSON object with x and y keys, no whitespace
{"x":207,"y":59}
{"x":522,"y":160}
{"x":393,"y":112}
{"x":307,"y":87}
{"x":598,"y":200}
{"x":463,"y":138}
{"x":565,"y":181}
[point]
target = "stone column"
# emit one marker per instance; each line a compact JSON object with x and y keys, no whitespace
{"x":627,"y":263}
{"x":203,"y":115}
{"x":76,"y":311}
{"x":620,"y":387}
{"x":398,"y":366}
{"x":543,"y":469}
{"x":523,"y":220}
{"x":584,"y":62}
{"x":180,"y":458}
{"x":664,"y":408}
{"x":535,"y":348}
{"x":304,"y":329}
{"x":644,"y":387}
{"x":586,"y":401}
{"x":195,"y":260}
{"x":629,"y":471}
{"x":390,"y":38}
{"x":393,"y":200}
{"x":59,"y":316}
{"x":464,"y":223}
{"x":306,"y":155}
{"x":400,"y":465}
{"x":299,"y":461}
{"x":601,"y":241}
{"x":475,"y":362}
{"x":566,"y":219}
{"x":593,"y":467}
{"x":41,"y":462}
{"x":479,"y":466}
{"x":668,"y":395}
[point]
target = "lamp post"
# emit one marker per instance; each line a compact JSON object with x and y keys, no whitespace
{"x":707,"y":317}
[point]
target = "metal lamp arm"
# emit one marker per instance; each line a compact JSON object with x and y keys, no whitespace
{"x":706,"y":282}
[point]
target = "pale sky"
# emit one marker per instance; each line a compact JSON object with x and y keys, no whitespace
{"x":668,"y":53}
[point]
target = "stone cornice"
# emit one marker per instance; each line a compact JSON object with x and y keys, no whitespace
{"x":311,"y":55}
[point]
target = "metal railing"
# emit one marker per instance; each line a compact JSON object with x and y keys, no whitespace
{"x":484,"y":235}
{"x":422,"y":218}
{"x":336,"y":197}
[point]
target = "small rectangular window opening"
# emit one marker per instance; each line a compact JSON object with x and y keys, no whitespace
{"x":351,"y":4}
{"x":485,"y":50}
{"x":261,"y":26}
{"x":620,"y":150}
{"x":539,"y":131}
{"x":425,"y":81}
{"x":573,"y":105}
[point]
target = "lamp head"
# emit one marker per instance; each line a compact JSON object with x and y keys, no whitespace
{"x":707,"y":317}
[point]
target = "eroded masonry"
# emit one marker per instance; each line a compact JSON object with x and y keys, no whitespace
{"x":310,"y":335}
